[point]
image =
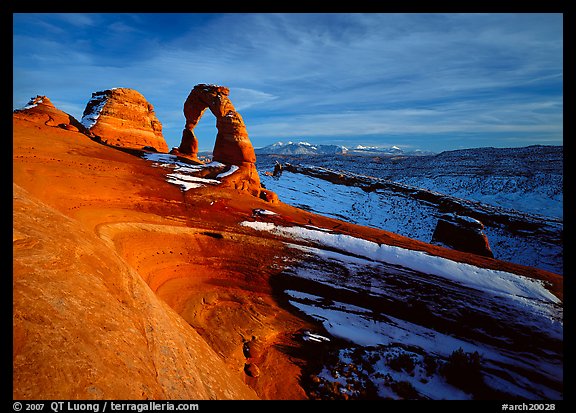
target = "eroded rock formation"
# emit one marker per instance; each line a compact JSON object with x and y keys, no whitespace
{"x":41,"y":109}
{"x":123,"y":117}
{"x":232,"y":146}
{"x":463,"y":234}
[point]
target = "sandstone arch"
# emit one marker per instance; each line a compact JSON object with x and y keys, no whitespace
{"x":232,"y":144}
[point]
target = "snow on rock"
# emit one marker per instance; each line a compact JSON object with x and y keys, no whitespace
{"x":32,"y":104}
{"x":413,"y":210}
{"x":389,"y":303}
{"x":498,"y":282}
{"x":188,"y":182}
{"x":93,"y":110}
{"x":184,"y":174}
{"x":462,"y":233}
{"x":262,"y":212}
{"x":183,"y":183}
{"x":37,"y":100}
{"x":122,"y":117}
{"x":233,"y":168}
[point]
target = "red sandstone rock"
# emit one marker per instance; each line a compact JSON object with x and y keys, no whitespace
{"x":123,"y":117}
{"x":41,"y":110}
{"x":125,"y":289}
{"x":252,"y":370}
{"x":269,"y":196}
{"x":86,"y":325}
{"x":232,"y":146}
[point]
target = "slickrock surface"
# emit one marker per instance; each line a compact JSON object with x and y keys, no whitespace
{"x":93,"y":225}
{"x":86,"y":325}
{"x":126,"y":287}
{"x":123,"y":117}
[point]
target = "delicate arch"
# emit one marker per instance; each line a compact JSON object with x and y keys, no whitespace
{"x":232,"y":144}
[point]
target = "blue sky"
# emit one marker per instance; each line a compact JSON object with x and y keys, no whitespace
{"x":419,"y":81}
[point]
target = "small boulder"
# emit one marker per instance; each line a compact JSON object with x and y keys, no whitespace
{"x":462,"y":233}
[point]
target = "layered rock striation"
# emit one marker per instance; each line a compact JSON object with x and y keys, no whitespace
{"x":123,"y":288}
{"x":87,"y":326}
{"x":123,"y":117}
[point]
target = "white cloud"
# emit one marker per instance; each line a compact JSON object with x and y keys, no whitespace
{"x":76,"y":19}
{"x":243,"y":98}
{"x":457,"y":117}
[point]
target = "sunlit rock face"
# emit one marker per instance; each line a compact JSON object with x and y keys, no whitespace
{"x":232,"y":146}
{"x":123,"y":117}
{"x":40,"y":109}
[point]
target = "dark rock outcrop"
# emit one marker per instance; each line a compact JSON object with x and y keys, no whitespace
{"x":462,"y":233}
{"x":252,"y":370}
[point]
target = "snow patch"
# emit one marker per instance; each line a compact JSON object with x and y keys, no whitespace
{"x":386,"y":334}
{"x":233,"y":168}
{"x":32,"y":105}
{"x":184,"y":174}
{"x":262,"y":212}
{"x":495,"y":281}
{"x":185,"y":185}
{"x":89,"y":119}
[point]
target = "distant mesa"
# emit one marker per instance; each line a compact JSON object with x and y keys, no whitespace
{"x":123,"y":117}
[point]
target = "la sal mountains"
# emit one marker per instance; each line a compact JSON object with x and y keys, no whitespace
{"x":305,"y":148}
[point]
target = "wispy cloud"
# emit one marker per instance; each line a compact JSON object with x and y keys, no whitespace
{"x":410,"y":121}
{"x":315,"y":75}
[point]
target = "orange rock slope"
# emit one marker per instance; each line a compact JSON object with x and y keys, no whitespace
{"x":126,"y":287}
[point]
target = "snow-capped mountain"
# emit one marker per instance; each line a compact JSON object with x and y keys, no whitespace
{"x":376,"y":150}
{"x":300,"y":148}
{"x":305,"y":148}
